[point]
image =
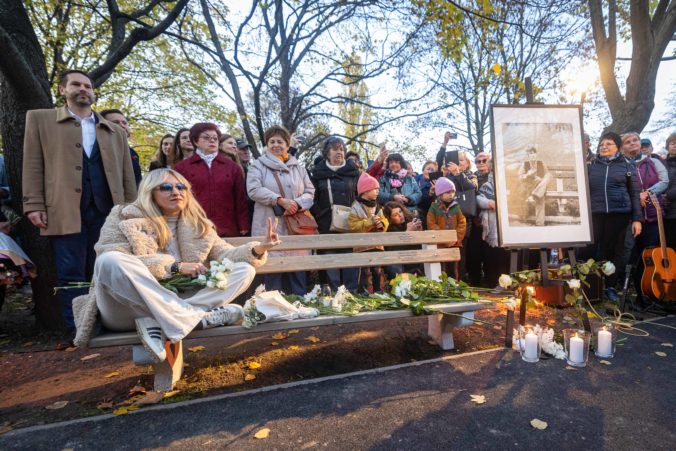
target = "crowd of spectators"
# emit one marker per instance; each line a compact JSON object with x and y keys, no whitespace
{"x":214,"y":178}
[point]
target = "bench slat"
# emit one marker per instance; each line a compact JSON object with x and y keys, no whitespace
{"x":349,"y":240}
{"x":332,"y":261}
{"x":130,"y":338}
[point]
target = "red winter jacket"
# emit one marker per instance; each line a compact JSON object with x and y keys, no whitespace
{"x":220,"y":191}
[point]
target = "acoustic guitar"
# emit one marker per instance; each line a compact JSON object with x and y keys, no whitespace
{"x":659,"y":276}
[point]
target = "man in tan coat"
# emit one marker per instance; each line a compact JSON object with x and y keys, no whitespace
{"x":76,"y":166}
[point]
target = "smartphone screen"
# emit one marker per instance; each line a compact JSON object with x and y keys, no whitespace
{"x":435,"y":175}
{"x":452,"y":157}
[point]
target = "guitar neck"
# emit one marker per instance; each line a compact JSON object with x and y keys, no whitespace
{"x":660,"y":224}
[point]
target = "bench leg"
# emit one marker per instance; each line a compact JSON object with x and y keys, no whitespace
{"x":167,"y":373}
{"x":432,"y":270}
{"x":440,"y":327}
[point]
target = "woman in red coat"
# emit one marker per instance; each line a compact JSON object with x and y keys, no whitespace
{"x":217,"y":182}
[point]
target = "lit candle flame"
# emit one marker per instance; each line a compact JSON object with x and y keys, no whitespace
{"x":531,"y":290}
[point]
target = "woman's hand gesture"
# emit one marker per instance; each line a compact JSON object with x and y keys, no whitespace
{"x":271,"y":238}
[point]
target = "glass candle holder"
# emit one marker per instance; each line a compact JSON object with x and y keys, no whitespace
{"x":325,"y":295}
{"x":605,"y":341}
{"x":576,"y":343}
{"x":529,"y":344}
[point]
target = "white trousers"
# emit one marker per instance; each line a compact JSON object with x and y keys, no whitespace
{"x":126,"y":290}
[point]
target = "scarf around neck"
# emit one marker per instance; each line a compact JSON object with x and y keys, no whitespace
{"x":396,"y":178}
{"x":207,"y":158}
{"x":368,"y":203}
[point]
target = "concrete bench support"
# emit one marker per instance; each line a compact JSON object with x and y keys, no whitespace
{"x":167,"y":373}
{"x":440,"y":327}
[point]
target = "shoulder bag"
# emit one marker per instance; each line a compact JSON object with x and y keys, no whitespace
{"x":339,"y":214}
{"x":301,"y":222}
{"x":467,"y":200}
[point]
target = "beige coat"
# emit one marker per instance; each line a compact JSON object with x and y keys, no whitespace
{"x":52,"y":167}
{"x":263,"y":189}
{"x":127,"y":230}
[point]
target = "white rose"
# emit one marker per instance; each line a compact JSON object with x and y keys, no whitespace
{"x":573,"y":284}
{"x":505,"y":281}
{"x":326,"y":301}
{"x":211,"y":284}
{"x":219,"y":276}
{"x":202,"y":279}
{"x":608,"y":268}
{"x":221,"y":284}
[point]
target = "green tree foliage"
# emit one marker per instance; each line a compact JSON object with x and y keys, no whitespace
{"x":355,"y":110}
{"x":157,"y":90}
{"x":487,"y":49}
{"x":294,"y":52}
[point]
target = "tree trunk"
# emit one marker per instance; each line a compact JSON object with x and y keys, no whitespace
{"x":25,"y":86}
{"x":650,"y":37}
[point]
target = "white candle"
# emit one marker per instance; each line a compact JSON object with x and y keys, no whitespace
{"x":522,"y":344}
{"x":531,"y":349}
{"x":605,"y":343}
{"x":576,"y":351}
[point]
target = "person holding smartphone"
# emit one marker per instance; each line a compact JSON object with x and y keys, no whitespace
{"x":396,"y":185}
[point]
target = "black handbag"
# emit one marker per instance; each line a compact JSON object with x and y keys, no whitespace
{"x":467,"y":200}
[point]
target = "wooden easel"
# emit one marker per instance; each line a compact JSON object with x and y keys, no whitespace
{"x":544,"y":262}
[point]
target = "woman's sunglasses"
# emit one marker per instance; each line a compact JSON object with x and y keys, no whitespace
{"x":168,"y":187}
{"x":481,"y":161}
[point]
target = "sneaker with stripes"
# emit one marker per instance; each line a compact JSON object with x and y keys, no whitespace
{"x":152,"y":337}
{"x":223,"y":316}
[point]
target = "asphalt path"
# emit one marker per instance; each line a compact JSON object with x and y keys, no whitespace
{"x":629,"y":404}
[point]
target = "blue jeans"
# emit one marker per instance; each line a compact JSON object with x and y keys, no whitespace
{"x":290,"y":282}
{"x":74,"y":258}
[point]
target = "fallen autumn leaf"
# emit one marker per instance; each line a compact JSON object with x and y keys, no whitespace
{"x":478,"y":399}
{"x":113,"y":374}
{"x":150,"y":398}
{"x":313,"y":339}
{"x":249,"y":377}
{"x":279,"y":336}
{"x":538,"y":424}
{"x":57,"y":405}
{"x":668,"y":345}
{"x":262,"y":433}
{"x":196,"y":348}
{"x":605,"y":362}
{"x":661,"y":354}
{"x":254,"y":365}
{"x":89,"y":357}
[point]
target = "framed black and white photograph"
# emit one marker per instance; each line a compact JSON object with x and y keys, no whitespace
{"x":540,"y":175}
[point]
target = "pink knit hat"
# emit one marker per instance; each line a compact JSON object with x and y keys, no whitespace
{"x":443,"y":185}
{"x":366,"y":183}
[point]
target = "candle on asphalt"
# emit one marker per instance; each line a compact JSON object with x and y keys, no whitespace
{"x":576,"y":352}
{"x":531,"y":350}
{"x":605,"y":342}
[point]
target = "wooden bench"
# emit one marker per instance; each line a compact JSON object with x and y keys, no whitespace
{"x":440,"y":326}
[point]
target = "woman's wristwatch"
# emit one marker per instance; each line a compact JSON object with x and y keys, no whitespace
{"x":175,"y":267}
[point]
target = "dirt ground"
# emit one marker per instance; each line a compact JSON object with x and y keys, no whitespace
{"x":36,"y":380}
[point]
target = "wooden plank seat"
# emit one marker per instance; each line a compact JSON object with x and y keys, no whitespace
{"x":440,"y":326}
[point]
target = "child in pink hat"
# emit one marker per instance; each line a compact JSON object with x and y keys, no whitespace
{"x":368,"y":216}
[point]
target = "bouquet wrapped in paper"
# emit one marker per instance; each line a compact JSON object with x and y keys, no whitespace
{"x":269,"y":306}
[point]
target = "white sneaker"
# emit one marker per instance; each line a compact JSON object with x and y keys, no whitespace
{"x":223,"y":316}
{"x":152,"y":337}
